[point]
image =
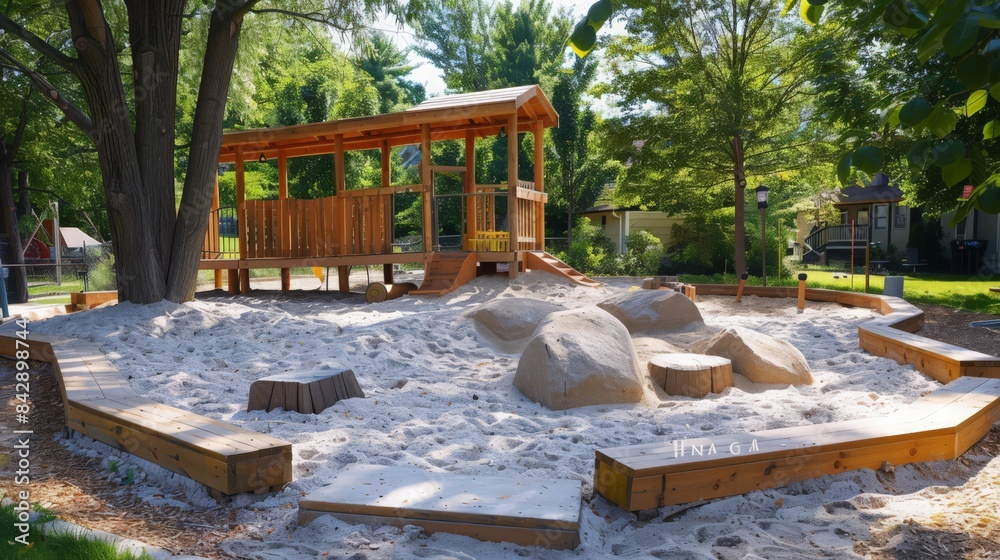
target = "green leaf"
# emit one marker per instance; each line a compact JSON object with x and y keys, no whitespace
{"x":868,"y":159}
{"x":973,"y":71}
{"x":897,"y":15}
{"x":810,"y":13}
{"x":929,"y":44}
{"x":942,"y":121}
{"x":992,"y":47}
{"x":583,"y":39}
{"x":844,"y":168}
{"x":915,"y":111}
{"x":991,"y":130}
{"x":891,"y":116}
{"x":976,"y":102}
{"x":954,"y":174}
{"x":789,"y":4}
{"x":918,"y":154}
{"x":989,"y":200}
{"x":962,"y":36}
{"x":947,"y":153}
{"x":599,"y":13}
{"x":995,"y":91}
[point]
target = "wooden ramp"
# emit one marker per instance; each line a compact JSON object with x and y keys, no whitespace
{"x":446,"y":272}
{"x":941,"y":425}
{"x":540,"y":260}
{"x":100,"y":403}
{"x":526,"y":511}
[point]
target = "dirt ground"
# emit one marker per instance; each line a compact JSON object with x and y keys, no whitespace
{"x":77,"y":489}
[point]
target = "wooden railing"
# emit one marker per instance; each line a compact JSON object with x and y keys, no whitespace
{"x":839,"y":234}
{"x":358,"y":222}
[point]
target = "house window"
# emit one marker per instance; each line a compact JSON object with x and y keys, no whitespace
{"x":960,"y":229}
{"x":862,"y":218}
{"x":881,"y":216}
{"x":843,"y":218}
{"x":604,"y":221}
{"x":899,"y":214}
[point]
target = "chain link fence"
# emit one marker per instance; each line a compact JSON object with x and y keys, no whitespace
{"x":82,"y":269}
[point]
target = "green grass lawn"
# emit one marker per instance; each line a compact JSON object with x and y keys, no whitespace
{"x":961,"y":292}
{"x":52,"y":545}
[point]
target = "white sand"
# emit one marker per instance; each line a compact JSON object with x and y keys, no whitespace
{"x":421,"y":362}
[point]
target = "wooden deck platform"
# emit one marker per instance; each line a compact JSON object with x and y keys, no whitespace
{"x":942,"y":425}
{"x":100,"y":403}
{"x":525,"y":511}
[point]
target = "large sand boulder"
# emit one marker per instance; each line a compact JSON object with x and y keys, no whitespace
{"x":513,"y":318}
{"x":653,"y":310}
{"x":759,"y":357}
{"x":580,"y":357}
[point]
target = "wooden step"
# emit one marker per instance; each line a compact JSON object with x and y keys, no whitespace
{"x":526,"y":511}
{"x":540,"y":260}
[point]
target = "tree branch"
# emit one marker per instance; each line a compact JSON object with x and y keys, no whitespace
{"x":37,"y":43}
{"x":71,"y":111}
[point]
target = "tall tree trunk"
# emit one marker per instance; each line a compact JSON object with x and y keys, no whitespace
{"x":17,"y":282}
{"x":739,"y":179}
{"x":134,"y":199}
{"x":206,"y":143}
{"x":23,"y":194}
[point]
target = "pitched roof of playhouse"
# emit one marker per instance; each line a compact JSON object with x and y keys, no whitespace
{"x":448,"y":116}
{"x":877,"y":190}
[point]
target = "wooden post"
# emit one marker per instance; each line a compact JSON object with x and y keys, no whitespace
{"x":539,"y":133}
{"x":425,"y":181}
{"x":286,"y":273}
{"x":234,"y":281}
{"x":213,"y":228}
{"x":344,"y":275}
{"x":241,"y":218}
{"x":469,"y":188}
{"x":802,"y":292}
{"x":512,"y":216}
{"x":739,"y":291}
{"x":388,"y":233}
{"x":341,"y":221}
{"x":387,"y":274}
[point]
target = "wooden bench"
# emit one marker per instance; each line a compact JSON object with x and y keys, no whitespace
{"x":86,"y":300}
{"x":941,"y":425}
{"x":527,"y":511}
{"x":100,"y":403}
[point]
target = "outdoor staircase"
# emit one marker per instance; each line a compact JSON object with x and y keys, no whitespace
{"x":446,"y":272}
{"x":540,"y":260}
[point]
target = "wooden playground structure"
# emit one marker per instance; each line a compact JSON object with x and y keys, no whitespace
{"x":502,"y":223}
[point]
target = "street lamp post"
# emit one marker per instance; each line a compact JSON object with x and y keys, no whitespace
{"x":762,"y":205}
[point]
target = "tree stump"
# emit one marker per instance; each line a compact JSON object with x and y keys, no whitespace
{"x":691,"y":375}
{"x":308,"y":393}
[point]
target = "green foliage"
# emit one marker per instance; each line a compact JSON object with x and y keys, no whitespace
{"x":689,"y":89}
{"x":593,"y":252}
{"x":936,"y":76}
{"x":701,"y":244}
{"x":643,"y":254}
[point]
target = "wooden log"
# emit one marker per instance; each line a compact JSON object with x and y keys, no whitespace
{"x":739,"y":291}
{"x":377,"y":291}
{"x":691,"y":375}
{"x":802,"y":292}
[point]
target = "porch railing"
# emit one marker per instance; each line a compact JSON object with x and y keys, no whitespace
{"x":838,"y":235}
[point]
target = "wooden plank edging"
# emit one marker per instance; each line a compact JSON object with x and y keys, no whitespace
{"x":889,"y":336}
{"x":100,"y":403}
